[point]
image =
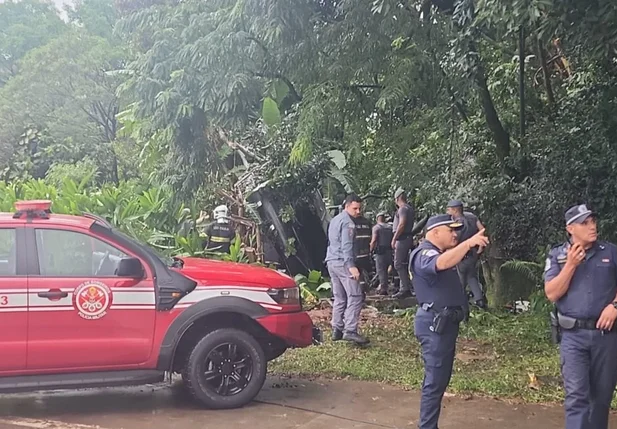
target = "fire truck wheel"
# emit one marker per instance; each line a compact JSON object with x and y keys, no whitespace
{"x":226,"y":369}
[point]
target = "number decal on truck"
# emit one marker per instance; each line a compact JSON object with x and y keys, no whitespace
{"x":4,"y":300}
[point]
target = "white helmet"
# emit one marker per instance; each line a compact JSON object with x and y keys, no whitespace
{"x":221,"y":213}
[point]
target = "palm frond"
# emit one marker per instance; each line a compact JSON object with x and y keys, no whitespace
{"x":530,"y":271}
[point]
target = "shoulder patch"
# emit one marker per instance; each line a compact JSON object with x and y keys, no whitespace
{"x":547,"y":266}
{"x":561,"y":252}
{"x":430,"y":252}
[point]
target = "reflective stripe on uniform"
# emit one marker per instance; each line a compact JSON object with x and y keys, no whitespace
{"x":220,"y":239}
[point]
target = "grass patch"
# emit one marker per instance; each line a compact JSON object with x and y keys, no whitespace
{"x":496,"y":354}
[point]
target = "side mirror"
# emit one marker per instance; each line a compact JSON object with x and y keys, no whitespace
{"x":130,"y":267}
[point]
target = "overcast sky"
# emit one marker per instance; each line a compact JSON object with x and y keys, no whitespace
{"x":59,"y":3}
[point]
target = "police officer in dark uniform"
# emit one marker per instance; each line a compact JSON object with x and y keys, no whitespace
{"x":361,"y":243}
{"x":362,"y":251}
{"x":442,"y":306}
{"x":581,"y":279}
{"x":380,"y":245}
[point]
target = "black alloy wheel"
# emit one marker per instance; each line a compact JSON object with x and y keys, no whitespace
{"x":228,"y":369}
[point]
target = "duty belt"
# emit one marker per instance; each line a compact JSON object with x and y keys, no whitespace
{"x":429,"y":306}
{"x":444,"y":316}
{"x":569,"y":323}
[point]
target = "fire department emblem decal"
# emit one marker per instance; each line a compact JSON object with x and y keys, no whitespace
{"x":92,"y":300}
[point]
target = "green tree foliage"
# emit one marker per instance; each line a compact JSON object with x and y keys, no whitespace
{"x":67,"y":90}
{"x":25,"y":24}
{"x":97,"y":17}
{"x":214,"y":99}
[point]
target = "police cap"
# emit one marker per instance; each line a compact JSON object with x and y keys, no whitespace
{"x":578,"y":214}
{"x":455,"y":203}
{"x":398,"y":193}
{"x":442,"y":220}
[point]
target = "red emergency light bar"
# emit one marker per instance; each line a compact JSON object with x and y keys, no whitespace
{"x":32,"y":209}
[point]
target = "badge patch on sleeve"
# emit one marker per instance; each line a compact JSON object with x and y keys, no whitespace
{"x":547,"y":266}
{"x":430,"y":252}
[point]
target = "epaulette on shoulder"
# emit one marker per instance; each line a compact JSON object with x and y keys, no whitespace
{"x":604,"y":244}
{"x":430,"y":252}
{"x":559,"y":252}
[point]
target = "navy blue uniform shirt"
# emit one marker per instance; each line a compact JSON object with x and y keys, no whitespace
{"x":443,"y":288}
{"x":594,"y":284}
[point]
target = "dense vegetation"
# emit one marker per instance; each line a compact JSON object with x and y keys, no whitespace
{"x":166,"y":104}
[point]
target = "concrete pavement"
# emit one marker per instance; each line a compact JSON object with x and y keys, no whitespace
{"x":282,"y":404}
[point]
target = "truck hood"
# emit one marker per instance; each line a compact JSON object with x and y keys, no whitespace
{"x":208,"y":272}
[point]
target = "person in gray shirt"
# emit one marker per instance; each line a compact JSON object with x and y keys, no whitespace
{"x":345,"y":276}
{"x":402,"y":242}
{"x":381,"y":245}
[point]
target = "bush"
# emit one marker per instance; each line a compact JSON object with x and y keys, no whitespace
{"x":149,"y":214}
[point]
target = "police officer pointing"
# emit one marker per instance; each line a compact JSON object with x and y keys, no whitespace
{"x":345,"y":275}
{"x":581,"y":279}
{"x":442,"y":304}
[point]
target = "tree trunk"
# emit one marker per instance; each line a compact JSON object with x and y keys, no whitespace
{"x":546,"y":74}
{"x":115,"y":177}
{"x":500,"y":136}
{"x":491,"y":269}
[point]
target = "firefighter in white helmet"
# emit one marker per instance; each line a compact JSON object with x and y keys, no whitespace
{"x":220,"y":232}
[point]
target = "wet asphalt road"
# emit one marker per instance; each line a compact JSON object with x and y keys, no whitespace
{"x":282,"y":404}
